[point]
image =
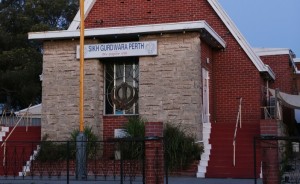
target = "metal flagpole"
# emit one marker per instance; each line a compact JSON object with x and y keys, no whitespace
{"x":81,"y":171}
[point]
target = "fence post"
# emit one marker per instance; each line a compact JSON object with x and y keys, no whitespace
{"x":254,"y":159}
{"x":121,"y":163}
{"x":270,"y":156}
{"x":154,"y":153}
{"x":68,"y":164}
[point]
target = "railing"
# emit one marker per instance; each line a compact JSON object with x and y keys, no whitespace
{"x":272,"y":112}
{"x":267,"y":112}
{"x":4,"y":142}
{"x":4,"y":118}
{"x":238,"y":122}
{"x":112,"y":161}
{"x":11,"y":120}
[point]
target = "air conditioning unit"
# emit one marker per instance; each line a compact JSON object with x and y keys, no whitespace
{"x":272,"y":107}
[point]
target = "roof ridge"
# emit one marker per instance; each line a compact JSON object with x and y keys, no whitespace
{"x":88,"y":5}
{"x":239,"y":37}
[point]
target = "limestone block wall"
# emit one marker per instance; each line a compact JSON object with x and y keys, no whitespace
{"x":170,"y":83}
{"x":60,"y":95}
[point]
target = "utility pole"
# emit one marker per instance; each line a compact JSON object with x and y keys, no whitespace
{"x":81,"y":127}
{"x":81,"y":165}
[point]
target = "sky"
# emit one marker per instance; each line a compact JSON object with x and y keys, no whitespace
{"x":267,"y":23}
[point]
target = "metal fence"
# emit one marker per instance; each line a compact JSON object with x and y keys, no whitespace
{"x":280,"y":159}
{"x":118,"y":160}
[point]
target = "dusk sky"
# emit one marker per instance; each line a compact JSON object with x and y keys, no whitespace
{"x":267,"y":23}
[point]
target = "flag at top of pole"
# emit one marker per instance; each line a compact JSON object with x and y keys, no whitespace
{"x":81,"y":104}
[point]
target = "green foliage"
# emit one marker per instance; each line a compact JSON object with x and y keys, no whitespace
{"x":19,"y":76}
{"x":287,"y":157}
{"x":56,"y":151}
{"x":51,"y":151}
{"x":132,"y":146}
{"x":91,"y":141}
{"x":135,"y":127}
{"x":87,"y":131}
{"x":53,"y":14}
{"x":180,"y":147}
{"x":131,"y":149}
{"x":20,"y":58}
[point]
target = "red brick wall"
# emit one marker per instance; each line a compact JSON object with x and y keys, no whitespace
{"x":110,"y":123}
{"x":268,"y":127}
{"x":297,"y":78}
{"x":233,"y":73}
{"x":154,"y":153}
{"x":280,"y":64}
{"x":135,"y":12}
{"x":235,"y":76}
{"x":285,"y":82}
{"x":270,"y":157}
{"x":207,"y":53}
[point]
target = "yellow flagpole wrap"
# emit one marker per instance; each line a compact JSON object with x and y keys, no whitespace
{"x":81,"y":97}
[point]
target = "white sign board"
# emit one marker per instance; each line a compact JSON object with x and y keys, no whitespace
{"x":121,"y":49}
{"x":120,"y":133}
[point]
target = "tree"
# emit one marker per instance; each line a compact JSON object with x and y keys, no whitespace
{"x":20,"y":58}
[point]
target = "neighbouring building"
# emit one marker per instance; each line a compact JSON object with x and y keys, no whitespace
{"x":167,"y":61}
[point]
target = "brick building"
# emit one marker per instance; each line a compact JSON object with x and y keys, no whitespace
{"x":165,"y":61}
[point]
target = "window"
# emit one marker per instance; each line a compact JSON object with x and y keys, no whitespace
{"x":121,"y":86}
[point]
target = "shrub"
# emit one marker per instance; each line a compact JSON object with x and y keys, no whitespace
{"x":132,"y":145}
{"x":135,"y":127}
{"x":51,"y":151}
{"x":91,"y":141}
{"x":180,"y":147}
{"x":56,"y":151}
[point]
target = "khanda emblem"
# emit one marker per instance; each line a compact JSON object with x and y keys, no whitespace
{"x":124,"y":96}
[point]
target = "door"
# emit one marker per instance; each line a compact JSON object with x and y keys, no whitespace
{"x":205,"y":96}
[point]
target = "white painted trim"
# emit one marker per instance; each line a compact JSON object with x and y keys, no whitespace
{"x":206,"y":125}
{"x":240,"y":38}
{"x":271,"y":51}
{"x":138,"y":29}
{"x":205,"y":96}
{"x":294,"y":61}
{"x":278,"y":51}
{"x":297,"y":60}
{"x":88,"y":4}
{"x":33,"y":111}
{"x":160,"y":28}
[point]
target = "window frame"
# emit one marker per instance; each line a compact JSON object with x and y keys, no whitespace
{"x":134,"y":62}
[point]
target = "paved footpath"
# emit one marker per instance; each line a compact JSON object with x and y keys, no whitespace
{"x":172,"y":180}
{"x":184,"y":180}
